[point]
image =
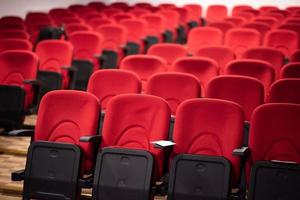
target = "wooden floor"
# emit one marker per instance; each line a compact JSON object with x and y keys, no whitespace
{"x":13,"y":152}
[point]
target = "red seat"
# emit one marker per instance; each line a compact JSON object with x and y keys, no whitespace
{"x":267,"y":9}
{"x":285,"y":91}
{"x":5,"y":25}
{"x":202,"y":36}
{"x":37,"y":17}
{"x":73,"y":28}
{"x":293,"y":9}
{"x":285,"y":13}
{"x":138,"y":12}
{"x":240,"y":8}
{"x":224,"y":26}
{"x":203,"y":68}
{"x":98,"y":22}
{"x":171,"y":21}
{"x":293,"y":27}
{"x":237,"y":20}
{"x":144,"y":66}
{"x":222,"y":55}
{"x":216,"y":13}
{"x":246,"y":91}
{"x":105,"y":84}
{"x":118,"y":17}
{"x":156,"y":25}
{"x":241,"y":39}
{"x":247,"y":15}
{"x":140,"y":126}
{"x":89,"y":16}
{"x":271,"y":21}
{"x":169,"y":52}
{"x":120,"y":5}
{"x":97,"y":5}
{"x":291,"y":70}
{"x":75,"y":7}
{"x":111,"y":11}
{"x":15,"y":44}
{"x":166,"y":6}
{"x":68,"y":20}
{"x":13,"y":34}
{"x":295,"y":57}
{"x":174,"y":88}
{"x":271,"y":55}
{"x":261,"y":27}
{"x":284,"y":40}
{"x":195,"y":12}
{"x":10,"y":19}
{"x":278,"y":16}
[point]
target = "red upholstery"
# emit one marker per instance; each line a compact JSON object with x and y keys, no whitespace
{"x":285,"y":13}
{"x":10,"y":19}
{"x":17,"y":66}
{"x":61,"y":119}
{"x":277,"y":16}
{"x":210,"y":127}
{"x":195,"y":11}
{"x":89,"y":16}
{"x":138,"y":12}
{"x":224,"y":26}
{"x":295,"y":57}
{"x":118,"y":17}
{"x":291,"y":70}
{"x":284,"y":40}
{"x":240,"y":8}
{"x":68,"y":20}
{"x":60,"y":12}
{"x":260,"y":70}
{"x":216,"y":13}
{"x":184,"y":16}
{"x":75,"y":7}
{"x":171,"y":20}
{"x":111,"y":11}
{"x":203,"y":68}
{"x":15,"y":44}
{"x":285,"y":91}
{"x":274,"y":133}
{"x":271,"y":55}
{"x":105,"y":84}
{"x":144,"y":66}
{"x":222,"y":55}
{"x":292,"y":27}
{"x":246,"y":91}
{"x":75,"y":27}
{"x":166,"y":6}
{"x":241,"y":39}
{"x":169,"y":52}
{"x":267,"y":9}
{"x":174,"y":88}
{"x":98,"y":22}
{"x":156,"y":25}
{"x":53,"y":55}
{"x":13,"y":34}
{"x":248,"y":16}
{"x":237,"y":20}
{"x":293,"y":9}
{"x":37,"y":17}
{"x":202,"y":36}
{"x":261,"y":27}
{"x":12,"y":26}
{"x":137,"y":124}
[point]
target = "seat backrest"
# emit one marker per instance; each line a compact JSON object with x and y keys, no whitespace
{"x":223,"y":26}
{"x":285,"y":91}
{"x":261,"y":27}
{"x":144,"y":66}
{"x":292,"y":27}
{"x":241,"y":39}
{"x":137,"y":29}
{"x":156,"y":24}
{"x":210,"y":127}
{"x":271,"y":55}
{"x":54,"y":54}
{"x":15,"y":44}
{"x":295,"y":57}
{"x":13,"y":34}
{"x":222,"y":55}
{"x":291,"y":70}
{"x":10,"y":19}
{"x":75,"y":27}
{"x":237,"y":20}
{"x":138,"y":12}
{"x":216,"y":13}
{"x":239,"y":8}
{"x":267,"y":9}
{"x":195,"y":11}
{"x":111,"y":11}
{"x":246,"y":91}
{"x":169,"y":52}
{"x":105,"y":84}
{"x":202,"y":36}
{"x":137,"y":124}
{"x":203,"y":68}
{"x":284,"y":40}
{"x":271,"y":21}
{"x":174,"y":88}
{"x":171,"y":19}
{"x":97,"y":22}
{"x":118,"y":17}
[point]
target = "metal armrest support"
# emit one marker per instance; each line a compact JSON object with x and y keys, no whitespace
{"x":242,"y":152}
{"x":91,"y":139}
{"x":21,"y":132}
{"x":18,"y":175}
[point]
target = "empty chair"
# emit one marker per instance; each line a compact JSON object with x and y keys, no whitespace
{"x":202,"y":36}
{"x":97,"y":5}
{"x":267,"y":9}
{"x":284,"y":40}
{"x":239,"y":8}
{"x":144,"y":66}
{"x":203,"y":129}
{"x":15,"y":44}
{"x":271,"y":55}
{"x":118,"y":17}
{"x":89,"y":16}
{"x":10,"y":19}
{"x":166,"y":6}
{"x":13,"y":34}
{"x":222,"y":55}
{"x":236,"y":20}
{"x":105,"y":84}
{"x":247,"y":15}
{"x":248,"y":92}
{"x":18,"y":26}
{"x":285,"y":13}
{"x":274,"y":150}
{"x":278,"y":16}
{"x":295,"y":57}
{"x":18,"y":87}
{"x":285,"y":91}
{"x":224,"y":26}
{"x":171,"y":23}
{"x":271,"y":21}
{"x":291,"y":70}
{"x":169,"y":52}
{"x":97,"y":22}
{"x":241,"y":39}
{"x":174,"y":88}
{"x":293,"y":27}
{"x":261,"y":27}
{"x":216,"y":13}
{"x":138,"y":12}
{"x":195,"y":11}
{"x":261,"y":70}
{"x":203,"y":68}
{"x":111,"y":11}
{"x":74,"y":27}
{"x":293,"y":9}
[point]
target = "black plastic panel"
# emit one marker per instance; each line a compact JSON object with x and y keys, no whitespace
{"x":49,"y":81}
{"x":193,"y":24}
{"x":195,"y":177}
{"x":149,"y":41}
{"x":132,"y":48}
{"x":109,"y":60}
{"x":168,"y":36}
{"x":181,"y":35}
{"x":84,"y":70}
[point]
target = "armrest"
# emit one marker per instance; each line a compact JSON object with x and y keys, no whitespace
{"x":284,"y":162}
{"x":21,"y":132}
{"x":97,"y":56}
{"x":18,"y":175}
{"x":32,"y":82}
{"x":242,"y":152}
{"x":91,"y":138}
{"x":163,"y":144}
{"x":68,"y":68}
{"x":86,"y":182}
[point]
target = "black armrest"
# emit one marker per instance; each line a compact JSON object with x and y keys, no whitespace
{"x":284,"y":162}
{"x":86,"y":182}
{"x":18,"y":175}
{"x":36,"y":84}
{"x":242,"y":152}
{"x":70,"y":69}
{"x":21,"y":132}
{"x":91,"y":139}
{"x":163,"y":144}
{"x":32,"y":82}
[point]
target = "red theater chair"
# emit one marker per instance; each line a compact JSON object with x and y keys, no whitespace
{"x":285,"y":91}
{"x":10,"y":19}
{"x":224,"y":26}
{"x":267,"y":9}
{"x":236,"y":20}
{"x":171,"y":24}
{"x":138,"y":12}
{"x":291,"y":70}
{"x":109,"y":11}
{"x":13,"y":34}
{"x":261,"y":27}
{"x":195,"y":13}
{"x":98,"y":22}
{"x":15,"y":44}
{"x":293,"y":27}
{"x":97,"y":5}
{"x":240,"y":8}
{"x":271,"y":21}
{"x":295,"y":57}
{"x":75,"y":27}
{"x":118,"y":17}
{"x":216,"y":13}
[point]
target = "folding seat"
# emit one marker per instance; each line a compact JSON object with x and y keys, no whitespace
{"x":293,"y":9}
{"x":195,"y":14}
{"x":284,"y":40}
{"x":60,"y":12}
{"x":216,"y":13}
{"x":241,"y":39}
{"x":291,"y":70}
{"x":114,"y":38}
{"x":236,"y":20}
{"x":15,"y":44}
{"x":292,"y":20}
{"x":261,"y":27}
{"x":292,"y":27}
{"x":274,"y":152}
{"x":55,"y":71}
{"x":169,"y":52}
{"x":171,"y":24}
{"x":248,"y":16}
{"x":222,"y":55}
{"x":203,"y":68}
{"x":118,"y":17}
{"x":143,"y":5}
{"x":74,"y":27}
{"x":37,"y":17}
{"x":224,"y":26}
{"x":10,"y":19}
{"x":144,"y":66}
{"x":75,"y":7}
{"x":240,"y":8}
{"x":175,"y":88}
{"x":105,"y":84}
{"x":13,"y":34}
{"x":4,"y":25}
{"x":295,"y":57}
{"x":271,"y":55}
{"x":267,"y":9}
{"x":18,"y":86}
{"x":279,"y":17}
{"x":285,"y":91}
{"x":111,"y":11}
{"x":202,"y":36}
{"x":97,"y":22}
{"x":120,"y":5}
{"x":252,"y":11}
{"x":88,"y":16}
{"x":206,"y":133}
{"x":261,"y":70}
{"x":273,"y":22}
{"x":65,"y":140}
{"x":138,"y":12}
{"x":166,"y":6}
{"x":285,"y":13}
